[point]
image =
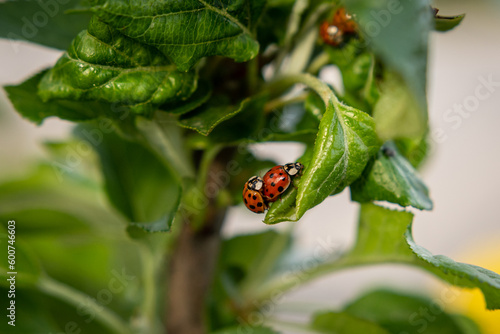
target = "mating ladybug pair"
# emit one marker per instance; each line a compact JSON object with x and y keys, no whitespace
{"x":342,"y":25}
{"x":258,"y":192}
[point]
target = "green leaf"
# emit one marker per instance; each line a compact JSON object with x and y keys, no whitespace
{"x":345,"y":142}
{"x":247,"y":251}
{"x":166,"y":139}
{"x":381,"y":235}
{"x":283,"y":210}
{"x":42,"y":22}
{"x":398,"y":34}
{"x":136,"y":182}
{"x":199,"y":97}
{"x":26,"y":101}
{"x":460,"y":274}
{"x":380,"y":240}
{"x":205,"y":119}
{"x":397,"y":113}
{"x":445,"y":23}
{"x":189,"y":30}
{"x":104,"y":65}
{"x":53,"y":196}
{"x":246,"y":125}
{"x":403,"y":313}
{"x":390,"y":177}
{"x":344,"y":323}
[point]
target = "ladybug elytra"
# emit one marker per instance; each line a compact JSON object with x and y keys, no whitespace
{"x":278,"y":179}
{"x":252,"y":196}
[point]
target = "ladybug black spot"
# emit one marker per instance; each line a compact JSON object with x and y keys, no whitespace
{"x":246,"y":202}
{"x":252,"y":207}
{"x":280,"y":189}
{"x":249,"y":195}
{"x":254,"y":197}
{"x":271,"y":195}
{"x":272,"y":184}
{"x":281,"y":174}
{"x":271,"y":176}
{"x":283,"y":178}
{"x":259,"y":204}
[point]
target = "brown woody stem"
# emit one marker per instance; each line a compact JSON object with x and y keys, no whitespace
{"x":193,"y":262}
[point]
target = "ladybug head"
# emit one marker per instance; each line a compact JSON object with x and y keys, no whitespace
{"x":331,"y":34}
{"x":255,"y":183}
{"x":293,"y":168}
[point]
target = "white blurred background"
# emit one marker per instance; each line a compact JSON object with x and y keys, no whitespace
{"x":461,"y":174}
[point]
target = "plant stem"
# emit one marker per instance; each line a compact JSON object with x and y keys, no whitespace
{"x":193,"y":261}
{"x":252,"y":75}
{"x":77,"y":298}
{"x":282,"y":101}
{"x":292,"y":28}
{"x":317,"y":63}
{"x":205,"y":164}
{"x":321,"y":88}
{"x":149,"y":303}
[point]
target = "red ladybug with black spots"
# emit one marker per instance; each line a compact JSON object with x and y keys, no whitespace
{"x":278,"y":179}
{"x":252,"y":195}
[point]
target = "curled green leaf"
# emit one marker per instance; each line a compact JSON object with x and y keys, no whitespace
{"x":197,"y":99}
{"x":186,"y":31}
{"x":218,"y":110}
{"x":150,"y":202}
{"x":390,"y":177}
{"x":104,"y":65}
{"x":459,"y":274}
{"x":345,"y":142}
{"x":205,"y":119}
{"x":25,"y":99}
{"x":445,"y":23}
{"x":386,"y":236}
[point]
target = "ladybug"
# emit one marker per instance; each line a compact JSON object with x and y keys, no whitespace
{"x":344,"y":21}
{"x":331,"y":34}
{"x":334,"y":33}
{"x":278,"y":179}
{"x":252,"y":195}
